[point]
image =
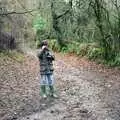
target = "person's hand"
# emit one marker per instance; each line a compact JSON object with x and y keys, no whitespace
{"x":43,"y":47}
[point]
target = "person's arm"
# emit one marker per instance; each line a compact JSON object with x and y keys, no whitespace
{"x":40,"y":52}
{"x":53,"y":56}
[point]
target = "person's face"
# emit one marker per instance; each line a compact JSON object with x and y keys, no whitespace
{"x":46,"y":44}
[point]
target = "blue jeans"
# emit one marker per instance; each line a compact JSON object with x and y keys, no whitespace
{"x":47,"y":79}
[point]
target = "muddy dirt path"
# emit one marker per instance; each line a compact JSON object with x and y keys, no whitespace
{"x":86,"y":91}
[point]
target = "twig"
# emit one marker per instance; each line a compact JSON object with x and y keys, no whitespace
{"x":14,"y":12}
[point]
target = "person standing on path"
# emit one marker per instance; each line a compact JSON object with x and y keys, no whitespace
{"x":46,"y":59}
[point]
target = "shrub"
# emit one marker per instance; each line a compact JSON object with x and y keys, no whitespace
{"x":54,"y":45}
{"x":83,"y":49}
{"x":95,"y":53}
{"x":73,"y":47}
{"x":92,"y":50}
{"x":15,"y":55}
{"x":37,"y":44}
{"x":115,"y":62}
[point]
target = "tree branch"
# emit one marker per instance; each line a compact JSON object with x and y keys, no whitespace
{"x":67,"y":11}
{"x":22,"y":5}
{"x":14,"y":12}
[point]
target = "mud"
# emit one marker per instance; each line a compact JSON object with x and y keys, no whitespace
{"x":83,"y":93}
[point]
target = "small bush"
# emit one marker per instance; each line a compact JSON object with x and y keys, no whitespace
{"x":70,"y":48}
{"x":73,"y":47}
{"x":64,"y":50}
{"x":17,"y":56}
{"x":117,"y":60}
{"x":37,"y":44}
{"x":54,"y":45}
{"x":95,"y":53}
{"x":83,"y":49}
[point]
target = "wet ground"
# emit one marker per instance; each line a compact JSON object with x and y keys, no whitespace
{"x":86,"y":91}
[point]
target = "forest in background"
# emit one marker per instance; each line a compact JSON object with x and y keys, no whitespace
{"x":84,"y":27}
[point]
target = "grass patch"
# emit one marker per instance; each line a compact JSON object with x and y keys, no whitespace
{"x":15,"y":55}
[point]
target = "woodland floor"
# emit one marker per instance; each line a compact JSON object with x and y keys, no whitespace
{"x":86,"y":91}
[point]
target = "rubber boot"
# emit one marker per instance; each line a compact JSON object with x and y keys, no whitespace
{"x":52,"y":94}
{"x":43,"y":90}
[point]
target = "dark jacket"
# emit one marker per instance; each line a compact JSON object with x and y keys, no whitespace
{"x":46,"y":62}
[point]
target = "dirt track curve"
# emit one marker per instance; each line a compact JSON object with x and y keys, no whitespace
{"x":86,"y":91}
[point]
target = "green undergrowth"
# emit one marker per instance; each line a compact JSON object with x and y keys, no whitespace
{"x":15,"y":55}
{"x":90,"y":50}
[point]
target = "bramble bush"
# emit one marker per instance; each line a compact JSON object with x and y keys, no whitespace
{"x":91,"y":50}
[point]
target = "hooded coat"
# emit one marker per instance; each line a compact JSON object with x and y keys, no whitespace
{"x":46,"y":61}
